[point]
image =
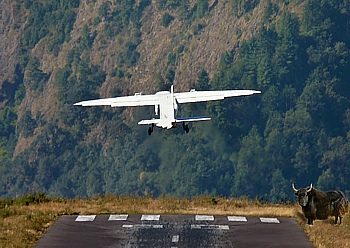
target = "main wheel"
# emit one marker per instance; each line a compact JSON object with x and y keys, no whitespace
{"x":186,"y":128}
{"x":150,"y":130}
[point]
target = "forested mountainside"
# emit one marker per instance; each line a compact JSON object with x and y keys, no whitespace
{"x":54,"y":53}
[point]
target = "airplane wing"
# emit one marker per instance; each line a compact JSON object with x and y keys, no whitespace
{"x":192,"y":119}
{"x":123,"y":101}
{"x":202,"y":96}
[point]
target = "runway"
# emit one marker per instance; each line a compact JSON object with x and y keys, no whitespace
{"x":173,"y":231}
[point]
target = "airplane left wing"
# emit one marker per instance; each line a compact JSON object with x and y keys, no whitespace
{"x":202,"y":96}
{"x":123,"y":101}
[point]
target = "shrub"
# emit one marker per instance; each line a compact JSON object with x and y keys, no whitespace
{"x":166,"y":19}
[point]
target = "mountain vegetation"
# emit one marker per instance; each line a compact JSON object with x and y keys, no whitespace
{"x":54,"y":53}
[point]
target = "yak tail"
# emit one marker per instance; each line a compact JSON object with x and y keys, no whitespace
{"x":346,"y":205}
{"x":343,"y":204}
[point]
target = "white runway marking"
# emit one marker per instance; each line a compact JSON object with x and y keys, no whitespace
{"x":175,"y":238}
{"x":118,"y":217}
{"x":128,"y":226}
{"x":237,"y":218}
{"x":143,"y":226}
{"x":85,"y":218}
{"x":221,"y":227}
{"x":269,"y":220}
{"x":204,"y":217}
{"x":156,"y":217}
{"x":150,"y":217}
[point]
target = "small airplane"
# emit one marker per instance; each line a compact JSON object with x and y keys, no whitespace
{"x":167,"y":105}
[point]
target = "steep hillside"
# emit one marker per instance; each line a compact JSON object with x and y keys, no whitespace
{"x":55,"y":53}
{"x":12,"y":20}
{"x":175,"y":53}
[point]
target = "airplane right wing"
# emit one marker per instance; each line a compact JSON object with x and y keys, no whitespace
{"x":123,"y":101}
{"x":202,"y":96}
{"x":192,"y":119}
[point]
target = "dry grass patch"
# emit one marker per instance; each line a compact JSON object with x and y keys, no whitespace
{"x":325,"y":234}
{"x":24,"y":220}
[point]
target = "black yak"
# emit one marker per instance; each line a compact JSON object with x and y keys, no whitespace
{"x":320,"y":205}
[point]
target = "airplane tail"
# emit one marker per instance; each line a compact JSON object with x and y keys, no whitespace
{"x":177,"y":120}
{"x":149,"y":122}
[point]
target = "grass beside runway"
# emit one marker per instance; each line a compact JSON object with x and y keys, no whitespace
{"x":24,"y":220}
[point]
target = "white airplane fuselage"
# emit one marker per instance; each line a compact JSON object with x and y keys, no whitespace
{"x":167,"y":109}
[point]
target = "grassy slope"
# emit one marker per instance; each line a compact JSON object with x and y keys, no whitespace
{"x":23,"y":221}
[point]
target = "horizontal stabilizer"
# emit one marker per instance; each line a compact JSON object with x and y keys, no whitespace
{"x":192,"y":119}
{"x":149,"y":122}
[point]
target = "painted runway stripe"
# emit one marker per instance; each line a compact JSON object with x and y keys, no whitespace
{"x":237,"y":218}
{"x":175,"y":238}
{"x":118,"y":217}
{"x":153,"y":217}
{"x":269,"y":220}
{"x":150,"y":217}
{"x":204,"y":217}
{"x":85,"y":218}
{"x":221,"y":227}
{"x":143,"y":226}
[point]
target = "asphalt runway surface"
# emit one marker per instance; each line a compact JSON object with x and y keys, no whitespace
{"x":173,"y":231}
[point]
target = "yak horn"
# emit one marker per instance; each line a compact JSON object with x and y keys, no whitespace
{"x":309,"y":189}
{"x":294,"y":188}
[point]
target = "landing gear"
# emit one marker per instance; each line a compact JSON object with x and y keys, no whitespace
{"x":150,"y":129}
{"x":185,"y":127}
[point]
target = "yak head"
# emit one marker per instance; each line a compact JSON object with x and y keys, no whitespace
{"x":303,"y":195}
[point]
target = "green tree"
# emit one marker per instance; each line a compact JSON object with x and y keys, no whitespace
{"x":170,"y":75}
{"x":280,"y":189}
{"x":105,"y":9}
{"x":166,"y":19}
{"x":250,"y":167}
{"x":35,"y":77}
{"x":275,"y":142}
{"x":287,"y":49}
{"x":202,"y":8}
{"x":335,"y":163}
{"x":203,"y":80}
{"x":27,"y":124}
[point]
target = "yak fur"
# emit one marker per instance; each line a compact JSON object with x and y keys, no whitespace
{"x":320,"y":205}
